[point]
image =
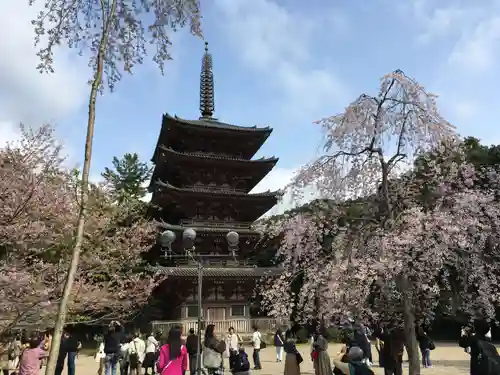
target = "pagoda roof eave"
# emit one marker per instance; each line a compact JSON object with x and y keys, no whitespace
{"x":198,"y":155}
{"x":267,"y":194}
{"x":210,"y":123}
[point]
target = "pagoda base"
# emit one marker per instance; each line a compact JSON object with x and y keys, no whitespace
{"x":243,"y":326}
{"x":226,"y":293}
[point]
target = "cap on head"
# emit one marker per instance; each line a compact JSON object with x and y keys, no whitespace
{"x":355,"y":354}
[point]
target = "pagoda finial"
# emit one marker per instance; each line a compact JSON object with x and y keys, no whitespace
{"x":207,"y":104}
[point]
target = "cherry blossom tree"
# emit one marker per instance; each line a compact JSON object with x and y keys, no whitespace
{"x":37,"y":216}
{"x":115,"y":35}
{"x":366,"y":147}
{"x":37,"y":228}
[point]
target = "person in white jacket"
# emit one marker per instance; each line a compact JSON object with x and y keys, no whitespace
{"x":152,"y":347}
{"x":99,"y":357}
{"x":124,"y":355}
{"x":136,"y":354}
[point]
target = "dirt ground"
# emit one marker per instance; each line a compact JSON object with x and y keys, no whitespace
{"x":448,"y":359}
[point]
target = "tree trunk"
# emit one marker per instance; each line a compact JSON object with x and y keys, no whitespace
{"x":409,"y":328}
{"x":73,"y":267}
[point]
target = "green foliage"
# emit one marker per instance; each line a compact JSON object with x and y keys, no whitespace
{"x":302,"y":335}
{"x":335,"y":334}
{"x":127,"y":177}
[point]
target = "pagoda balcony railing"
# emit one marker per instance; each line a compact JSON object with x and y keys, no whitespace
{"x":217,"y":263}
{"x":216,"y":223}
{"x":215,"y":188}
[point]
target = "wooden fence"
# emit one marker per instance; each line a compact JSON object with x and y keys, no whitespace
{"x":242,"y":326}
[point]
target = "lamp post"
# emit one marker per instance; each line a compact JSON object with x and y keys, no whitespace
{"x":188,"y":239}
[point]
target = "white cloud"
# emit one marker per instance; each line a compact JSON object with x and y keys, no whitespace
{"x":277,"y":42}
{"x":26,"y":95}
{"x":435,"y":22}
{"x":465,"y":109}
{"x":8,"y":133}
{"x":278,"y":179}
{"x":478,"y":50}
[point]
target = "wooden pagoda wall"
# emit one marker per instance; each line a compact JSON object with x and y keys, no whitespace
{"x":223,"y":298}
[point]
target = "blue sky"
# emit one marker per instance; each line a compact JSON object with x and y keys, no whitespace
{"x":278,"y":63}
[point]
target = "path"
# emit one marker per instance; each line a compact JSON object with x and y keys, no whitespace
{"x":447,"y":359}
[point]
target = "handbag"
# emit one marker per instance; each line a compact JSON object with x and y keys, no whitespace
{"x":299,"y":358}
{"x":133,"y":358}
{"x":211,"y":359}
{"x":263,"y":345}
{"x":432,"y":346}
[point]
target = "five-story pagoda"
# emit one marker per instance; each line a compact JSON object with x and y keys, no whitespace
{"x":202,"y":179}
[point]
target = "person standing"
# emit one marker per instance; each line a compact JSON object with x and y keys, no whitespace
{"x":193,"y":344}
{"x":279,"y":343}
{"x":29,"y":363}
{"x":4,"y":357}
{"x":72,"y":347}
{"x":212,"y":354}
{"x":62,"y":353}
{"x":361,"y":340}
{"x":150,"y":358}
{"x":232,"y":342}
{"x":256,"y":342}
{"x":112,"y":343}
{"x":393,"y":349}
{"x":15,"y":351}
{"x":124,"y":355}
{"x":293,"y":358}
{"x":321,"y":360}
{"x":136,"y":354}
{"x":99,"y":357}
{"x":426,"y":345}
{"x":173,"y":358}
{"x":379,"y":345}
{"x":483,"y":353}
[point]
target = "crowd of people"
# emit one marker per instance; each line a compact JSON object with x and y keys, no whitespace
{"x":23,"y":353}
{"x":355,"y":357}
{"x":171,"y":354}
{"x":135,"y":354}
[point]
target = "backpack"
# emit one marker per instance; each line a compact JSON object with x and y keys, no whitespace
{"x":358,"y":368}
{"x":133,"y":358}
{"x":488,"y":358}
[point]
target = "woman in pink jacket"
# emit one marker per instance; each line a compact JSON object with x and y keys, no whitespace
{"x":173,"y":355}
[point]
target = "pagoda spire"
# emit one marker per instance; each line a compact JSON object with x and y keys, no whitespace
{"x":207,"y":104}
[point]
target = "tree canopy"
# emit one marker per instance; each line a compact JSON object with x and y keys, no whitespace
{"x":127,"y":178}
{"x":37,"y":228}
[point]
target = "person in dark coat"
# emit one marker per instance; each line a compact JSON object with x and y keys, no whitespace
{"x":68,"y":349}
{"x":279,"y":343}
{"x":475,"y":339}
{"x":425,"y":343}
{"x":361,"y":340}
{"x":112,"y":346}
{"x":193,"y":344}
{"x":392,"y":350}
